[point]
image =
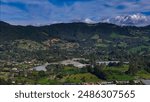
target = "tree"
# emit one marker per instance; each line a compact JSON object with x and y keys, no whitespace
{"x":98,"y":70}
{"x":133,"y":66}
{"x":41,"y":74}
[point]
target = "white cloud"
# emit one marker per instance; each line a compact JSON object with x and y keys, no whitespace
{"x":42,"y":11}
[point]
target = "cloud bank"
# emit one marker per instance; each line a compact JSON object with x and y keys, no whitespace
{"x":37,"y":12}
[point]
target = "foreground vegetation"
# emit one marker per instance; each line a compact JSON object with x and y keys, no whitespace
{"x":116,"y":73}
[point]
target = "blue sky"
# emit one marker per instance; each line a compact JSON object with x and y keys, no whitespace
{"x":35,"y":12}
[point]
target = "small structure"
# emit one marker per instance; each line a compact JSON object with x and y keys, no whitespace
{"x":107,"y":62}
{"x":74,"y":63}
{"x":40,"y":68}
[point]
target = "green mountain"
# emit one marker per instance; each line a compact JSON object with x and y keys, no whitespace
{"x":70,"y":31}
{"x":106,"y":41}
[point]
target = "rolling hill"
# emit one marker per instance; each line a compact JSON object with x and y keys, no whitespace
{"x":107,"y":41}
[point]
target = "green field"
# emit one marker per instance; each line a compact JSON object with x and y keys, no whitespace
{"x":80,"y":78}
{"x":117,"y":73}
{"x":142,"y":74}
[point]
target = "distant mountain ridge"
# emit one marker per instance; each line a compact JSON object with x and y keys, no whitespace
{"x":129,"y":20}
{"x":138,"y":20}
{"x":122,"y":20}
{"x":68,"y":31}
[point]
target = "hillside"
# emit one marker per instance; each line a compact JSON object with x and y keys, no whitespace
{"x":106,"y":41}
{"x":24,"y":50}
{"x":70,"y":31}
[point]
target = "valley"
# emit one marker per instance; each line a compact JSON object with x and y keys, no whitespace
{"x":74,"y":53}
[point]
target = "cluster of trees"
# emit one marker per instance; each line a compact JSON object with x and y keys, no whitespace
{"x":138,"y":63}
{"x":97,"y":70}
{"x":5,"y":82}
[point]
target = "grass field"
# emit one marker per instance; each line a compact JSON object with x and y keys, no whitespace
{"x":80,"y":78}
{"x":142,"y":74}
{"x":117,"y":73}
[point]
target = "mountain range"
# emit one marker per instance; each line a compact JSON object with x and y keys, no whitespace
{"x":129,"y":20}
{"x":108,"y":41}
{"x":70,"y":31}
{"x":123,"y":20}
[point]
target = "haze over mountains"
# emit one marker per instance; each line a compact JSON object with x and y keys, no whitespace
{"x":129,"y":20}
{"x":123,"y":20}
